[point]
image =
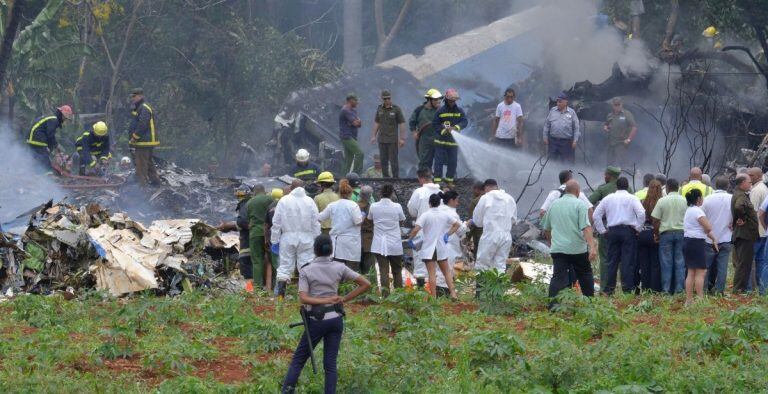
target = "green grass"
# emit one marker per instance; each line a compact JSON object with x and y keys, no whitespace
{"x":504,"y":343}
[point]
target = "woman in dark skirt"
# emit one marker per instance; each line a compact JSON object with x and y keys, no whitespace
{"x":648,"y":269}
{"x":696,"y":229}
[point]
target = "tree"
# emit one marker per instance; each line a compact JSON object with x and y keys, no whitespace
{"x":385,"y":39}
{"x":9,"y":36}
{"x":353,"y":35}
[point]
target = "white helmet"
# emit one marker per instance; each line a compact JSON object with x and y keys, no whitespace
{"x":125,"y":160}
{"x":302,"y":155}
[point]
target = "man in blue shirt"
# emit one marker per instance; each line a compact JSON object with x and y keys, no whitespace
{"x":561,"y":131}
{"x":349,"y":124}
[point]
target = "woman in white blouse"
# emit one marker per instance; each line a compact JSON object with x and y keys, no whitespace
{"x":438,"y":226}
{"x":387,"y":243}
{"x":696,"y":229}
{"x":346,"y":220}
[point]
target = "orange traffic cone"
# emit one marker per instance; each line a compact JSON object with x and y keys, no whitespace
{"x":249,"y":286}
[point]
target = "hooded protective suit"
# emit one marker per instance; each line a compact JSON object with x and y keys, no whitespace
{"x":417,"y":205}
{"x":495,"y":213}
{"x":346,"y":219}
{"x":295,"y":226}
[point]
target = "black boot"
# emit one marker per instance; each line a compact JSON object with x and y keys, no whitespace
{"x":420,"y":283}
{"x":280,"y":289}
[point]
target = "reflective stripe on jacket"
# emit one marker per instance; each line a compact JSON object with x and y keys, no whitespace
{"x":143,"y":132}
{"x":43,"y":133}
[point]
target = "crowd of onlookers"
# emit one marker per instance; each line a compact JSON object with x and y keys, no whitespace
{"x":669,"y":237}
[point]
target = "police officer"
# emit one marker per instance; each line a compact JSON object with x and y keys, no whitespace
{"x":319,"y":293}
{"x":561,"y":131}
{"x":621,"y":129}
{"x":93,"y":147}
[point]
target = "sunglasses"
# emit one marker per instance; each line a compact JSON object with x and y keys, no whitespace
{"x":386,"y":98}
{"x":509,"y":96}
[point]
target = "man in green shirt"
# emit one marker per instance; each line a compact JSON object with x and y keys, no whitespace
{"x":668,"y":232}
{"x":389,"y":118}
{"x":420,"y":124}
{"x":326,"y":182}
{"x":621,"y":128}
{"x":257,"y":209}
{"x":572,"y":245}
{"x":611,"y":175}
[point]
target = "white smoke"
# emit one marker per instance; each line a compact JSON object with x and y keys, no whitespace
{"x":576,"y":47}
{"x":23,"y":183}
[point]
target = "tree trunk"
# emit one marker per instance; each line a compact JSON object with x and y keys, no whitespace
{"x":117,"y":63}
{"x":353,"y":35}
{"x":671,"y":23}
{"x":9,"y":35}
{"x":385,"y":41}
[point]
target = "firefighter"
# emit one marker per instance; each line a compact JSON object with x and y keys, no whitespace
{"x":93,"y":148}
{"x":144,"y":138}
{"x":423,"y":131}
{"x":241,"y":224}
{"x":42,"y":135}
{"x":449,"y":118}
{"x":304,"y":169}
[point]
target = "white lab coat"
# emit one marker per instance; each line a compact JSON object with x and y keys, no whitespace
{"x":346,"y":219}
{"x":386,"y":216}
{"x":454,"y":245}
{"x":417,"y":205}
{"x":495,"y":213}
{"x":294,"y":227}
{"x":435,"y":223}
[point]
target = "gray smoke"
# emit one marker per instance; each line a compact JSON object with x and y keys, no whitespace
{"x":23,"y":183}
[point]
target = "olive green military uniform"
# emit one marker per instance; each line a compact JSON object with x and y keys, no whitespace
{"x":620,"y":126}
{"x":257,"y":208}
{"x":421,"y":121}
{"x":389,"y":118}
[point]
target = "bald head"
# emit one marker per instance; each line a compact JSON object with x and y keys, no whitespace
{"x":695,"y":174}
{"x":572,"y":187}
{"x":297,"y":183}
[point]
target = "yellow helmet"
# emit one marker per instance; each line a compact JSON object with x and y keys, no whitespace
{"x":325,"y":177}
{"x":433,"y":94}
{"x":100,"y":129}
{"x":277,"y":193}
{"x":710,"y":32}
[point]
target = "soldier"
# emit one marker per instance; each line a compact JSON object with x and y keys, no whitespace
{"x":621,"y":129}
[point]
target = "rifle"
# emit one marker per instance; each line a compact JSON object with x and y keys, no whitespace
{"x":305,"y":323}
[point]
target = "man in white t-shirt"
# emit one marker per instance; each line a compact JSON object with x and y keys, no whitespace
{"x":563,"y":177}
{"x":507,"y":127}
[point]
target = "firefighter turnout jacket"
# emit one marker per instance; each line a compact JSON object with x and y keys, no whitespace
{"x":446,"y":117}
{"x":43,"y":131}
{"x":91,"y":147}
{"x":143,"y":128}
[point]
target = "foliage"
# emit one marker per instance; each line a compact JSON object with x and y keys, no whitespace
{"x":648,"y":343}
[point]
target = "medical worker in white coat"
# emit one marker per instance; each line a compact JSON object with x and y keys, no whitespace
{"x":438,"y":226}
{"x":417,"y":205}
{"x":495,"y":213}
{"x":450,"y":203}
{"x":346,"y":220}
{"x":294,"y":228}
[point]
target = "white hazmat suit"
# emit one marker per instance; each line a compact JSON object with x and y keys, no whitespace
{"x":295,"y":226}
{"x":495,"y":213}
